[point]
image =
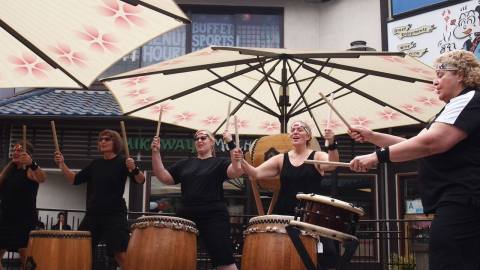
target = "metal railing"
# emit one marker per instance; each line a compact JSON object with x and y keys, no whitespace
{"x":384,"y":244}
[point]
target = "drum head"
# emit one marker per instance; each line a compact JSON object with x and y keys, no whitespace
{"x":170,"y":222}
{"x":59,"y":234}
{"x":331,"y":201}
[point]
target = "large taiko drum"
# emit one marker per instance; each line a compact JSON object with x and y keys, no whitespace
{"x":268,"y":146}
{"x":162,"y":242}
{"x":59,"y":250}
{"x":268,"y":247}
{"x":337,"y":219}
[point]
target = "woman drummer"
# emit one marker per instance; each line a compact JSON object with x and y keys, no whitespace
{"x":202,"y":180}
{"x":19,"y":181}
{"x":295,"y":176}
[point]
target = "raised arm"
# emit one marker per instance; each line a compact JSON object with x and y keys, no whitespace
{"x":269,"y":168}
{"x":69,"y":174}
{"x":34,"y":172}
{"x":138,"y":176}
{"x":234,"y":170}
{"x":361,"y":134}
{"x":158,"y":169}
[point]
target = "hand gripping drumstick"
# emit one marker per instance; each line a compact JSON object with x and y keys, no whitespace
{"x":54,"y":134}
{"x":332,"y":163}
{"x":125,"y":142}
{"x":24,"y":141}
{"x":159,"y":122}
{"x":335,"y":110}
{"x":237,"y":137}
{"x":227,"y":121}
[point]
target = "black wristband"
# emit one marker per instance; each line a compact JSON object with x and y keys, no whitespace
{"x":332,"y":146}
{"x":231,"y":145}
{"x":33,"y":166}
{"x":383,"y":155}
{"x":136,"y":171}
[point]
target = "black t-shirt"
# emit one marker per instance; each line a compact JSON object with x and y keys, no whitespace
{"x":19,"y":197}
{"x":454,"y":176}
{"x":105,"y":180}
{"x":201,"y":179}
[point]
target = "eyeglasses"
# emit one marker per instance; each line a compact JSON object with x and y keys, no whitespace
{"x":201,"y":138}
{"x":107,"y":139}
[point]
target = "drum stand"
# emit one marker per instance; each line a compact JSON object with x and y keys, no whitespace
{"x":350,"y":246}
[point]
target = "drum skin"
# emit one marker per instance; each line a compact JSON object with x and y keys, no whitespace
{"x":268,"y":247}
{"x":59,"y":250}
{"x":266,"y":147}
{"x":162,"y":242}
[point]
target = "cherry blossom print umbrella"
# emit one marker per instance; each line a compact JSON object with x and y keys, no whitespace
{"x":69,"y":43}
{"x":269,"y":88}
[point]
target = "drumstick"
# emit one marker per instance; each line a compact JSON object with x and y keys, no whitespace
{"x":125,"y":142}
{"x":329,"y":117}
{"x":332,"y":163}
{"x":54,"y":134}
{"x":227,"y":121}
{"x":237,"y":137}
{"x":159,"y":122}
{"x":24,"y":141}
{"x":335,"y":110}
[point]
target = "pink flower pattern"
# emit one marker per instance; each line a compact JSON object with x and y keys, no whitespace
{"x":29,"y":64}
{"x":98,"y":42}
{"x":166,"y":107}
{"x":135,"y":81}
{"x":393,"y":59}
{"x":68,"y":57}
{"x":137,"y":92}
{"x":361,"y":121}
{"x":211,"y":120}
{"x":428,"y":101}
{"x":429,"y":87}
{"x":411,"y":108}
{"x":334,"y":124}
{"x":144,"y":101}
{"x":270,"y":126}
{"x":389,"y":115}
{"x":241,"y":124}
{"x":124,"y":15}
{"x":184,"y":117}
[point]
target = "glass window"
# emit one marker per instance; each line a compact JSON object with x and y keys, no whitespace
{"x":167,"y":46}
{"x":262,"y":31}
{"x":403,"y":6}
{"x":212,"y":29}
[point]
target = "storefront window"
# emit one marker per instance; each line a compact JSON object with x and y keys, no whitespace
{"x":212,"y":29}
{"x":403,"y":6}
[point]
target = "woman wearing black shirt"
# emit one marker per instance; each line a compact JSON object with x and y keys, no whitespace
{"x":19,"y":181}
{"x":106,"y":216}
{"x":202,"y":180}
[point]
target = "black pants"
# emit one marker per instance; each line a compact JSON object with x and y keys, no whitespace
{"x":455,"y":238}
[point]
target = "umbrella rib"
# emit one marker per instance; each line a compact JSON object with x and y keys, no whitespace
{"x":368,"y":71}
{"x":361,"y":93}
{"x":270,"y":77}
{"x":302,"y":96}
{"x":157,"y":9}
{"x":237,"y":99}
{"x":198,"y":87}
{"x":241,"y":91}
{"x":264,"y":73}
{"x":38,"y":52}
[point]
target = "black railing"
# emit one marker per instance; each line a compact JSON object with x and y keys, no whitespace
{"x":384,"y":244}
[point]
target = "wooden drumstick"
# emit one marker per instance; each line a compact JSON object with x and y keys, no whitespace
{"x":329,"y":119}
{"x":331,"y":163}
{"x":54,"y":134}
{"x":335,"y":110}
{"x":125,"y":142}
{"x":227,"y":122}
{"x":237,"y":137}
{"x":24,"y":141}
{"x":159,"y":122}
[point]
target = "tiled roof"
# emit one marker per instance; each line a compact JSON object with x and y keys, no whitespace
{"x":61,"y":103}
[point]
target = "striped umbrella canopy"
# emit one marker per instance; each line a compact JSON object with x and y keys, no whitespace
{"x":69,"y":43}
{"x":268,"y":88}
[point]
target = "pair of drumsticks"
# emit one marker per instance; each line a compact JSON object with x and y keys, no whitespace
{"x":332,"y":108}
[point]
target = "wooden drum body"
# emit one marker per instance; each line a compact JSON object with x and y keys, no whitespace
{"x":330,"y":214}
{"x":162,"y":242}
{"x":52,"y":250}
{"x":268,"y":247}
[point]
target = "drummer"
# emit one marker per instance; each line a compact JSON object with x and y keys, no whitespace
{"x":202,"y":180}
{"x":295,"y":176}
{"x":19,"y":181}
{"x":106,"y":216}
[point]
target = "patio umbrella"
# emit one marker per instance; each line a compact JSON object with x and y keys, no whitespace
{"x":69,"y":43}
{"x":270,"y":87}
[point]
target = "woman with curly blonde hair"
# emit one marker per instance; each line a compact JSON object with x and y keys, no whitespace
{"x":448,"y":150}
